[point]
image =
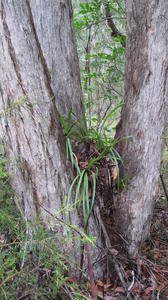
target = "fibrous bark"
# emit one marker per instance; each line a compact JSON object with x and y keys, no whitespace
{"x":54,"y":27}
{"x":39,"y":73}
{"x":39,"y":76}
{"x":143,"y":116}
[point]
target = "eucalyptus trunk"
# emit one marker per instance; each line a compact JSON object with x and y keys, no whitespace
{"x":143,"y":117}
{"x":39,"y":76}
{"x":39,"y":73}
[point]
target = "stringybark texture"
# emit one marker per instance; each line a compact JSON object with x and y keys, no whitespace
{"x":143,"y":116}
{"x":54,"y":27}
{"x":39,"y":72}
{"x":39,"y":76}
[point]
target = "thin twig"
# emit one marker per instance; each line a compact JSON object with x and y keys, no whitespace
{"x":119,"y":5}
{"x":25,"y":245}
{"x":79,"y":231}
{"x":100,"y":21}
{"x":9,"y":278}
{"x":164,"y":187}
{"x":67,"y":291}
{"x":4,"y":293}
{"x":133,"y":281}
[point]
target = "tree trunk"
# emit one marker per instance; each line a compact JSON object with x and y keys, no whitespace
{"x":54,"y":27}
{"x":143,"y":117}
{"x":39,"y":77}
{"x":31,"y":88}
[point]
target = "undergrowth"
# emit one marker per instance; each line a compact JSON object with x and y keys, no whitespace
{"x":34,"y":267}
{"x":30,"y":267}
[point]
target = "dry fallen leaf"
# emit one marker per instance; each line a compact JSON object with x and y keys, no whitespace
{"x":114,"y":173}
{"x":120,"y":289}
{"x":107,"y":287}
{"x":106,"y":297}
{"x":71,"y":279}
{"x":147,"y":292}
{"x":115,"y":283}
{"x":83,"y":164}
{"x":99,"y":283}
{"x":100,"y":286}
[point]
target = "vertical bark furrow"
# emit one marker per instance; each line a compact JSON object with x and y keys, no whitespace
{"x":40,"y":57}
{"x":57,"y":39}
{"x":143,"y":116}
{"x":11,"y":48}
{"x":37,"y":155}
{"x":43,"y":61}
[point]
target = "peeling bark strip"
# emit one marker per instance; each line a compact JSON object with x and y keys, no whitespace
{"x":143,"y":116}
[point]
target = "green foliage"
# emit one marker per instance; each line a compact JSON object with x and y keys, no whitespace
{"x":101,"y":57}
{"x":82,"y":192}
{"x":45,"y":270}
{"x":78,"y":131}
{"x":31,"y":267}
{"x":88,"y":13}
{"x":102,"y":67}
{"x":85,"y":176}
{"x":5,"y":191}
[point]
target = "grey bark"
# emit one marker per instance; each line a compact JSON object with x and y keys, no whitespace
{"x":39,"y":76}
{"x":143,"y":116}
{"x":32,"y":132}
{"x":54,"y":27}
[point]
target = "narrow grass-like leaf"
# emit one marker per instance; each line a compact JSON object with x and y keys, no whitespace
{"x":93,"y":161}
{"x":68,"y":125}
{"x":84,"y":204}
{"x":93,"y":191}
{"x":118,"y":156}
{"x":62,"y":121}
{"x":76,"y":165}
{"x":70,"y":152}
{"x":69,"y":199}
{"x":67,"y":150}
{"x":86,"y":193}
{"x":78,"y":188}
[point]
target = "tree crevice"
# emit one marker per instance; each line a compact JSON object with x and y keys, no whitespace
{"x":11,"y":48}
{"x":42,"y":58}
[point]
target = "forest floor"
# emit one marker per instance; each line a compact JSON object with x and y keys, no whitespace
{"x":145,"y":278}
